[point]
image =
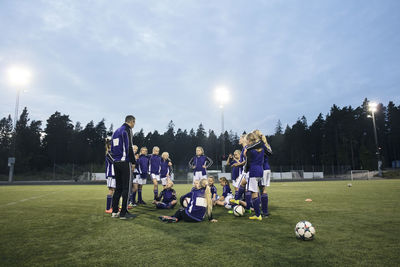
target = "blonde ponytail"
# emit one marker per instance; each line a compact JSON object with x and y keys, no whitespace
{"x":209,"y":201}
{"x":207,"y":195}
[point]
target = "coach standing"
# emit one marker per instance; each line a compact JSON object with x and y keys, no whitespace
{"x":122,"y":151}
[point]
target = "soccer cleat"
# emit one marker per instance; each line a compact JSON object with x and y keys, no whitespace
{"x":109,"y":211}
{"x":115,"y":215}
{"x":265,"y":215}
{"x":127,"y":216}
{"x":230,"y":211}
{"x":234,"y":201}
{"x":168,"y":219}
{"x":256,"y":218}
{"x":142,"y":202}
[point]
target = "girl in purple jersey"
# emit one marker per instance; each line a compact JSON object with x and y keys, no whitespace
{"x":110,"y":175}
{"x":226,"y":193}
{"x":199,"y":164}
{"x":199,"y":206}
{"x":154,"y":168}
{"x":265,"y":181}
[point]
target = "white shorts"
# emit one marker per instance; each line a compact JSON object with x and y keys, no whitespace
{"x":141,"y":181}
{"x":135,"y":178}
{"x":252,"y":184}
{"x":265,"y":181}
{"x":111,"y":182}
{"x":198,"y":176}
{"x":155,"y":176}
{"x":164,"y":180}
{"x":226,"y":200}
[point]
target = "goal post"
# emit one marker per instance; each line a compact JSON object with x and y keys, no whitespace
{"x":359,"y":175}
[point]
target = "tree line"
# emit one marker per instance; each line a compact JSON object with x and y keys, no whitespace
{"x":344,"y":136}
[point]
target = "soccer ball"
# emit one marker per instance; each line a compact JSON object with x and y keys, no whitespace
{"x":238,"y":210}
{"x":186,"y":202}
{"x":304,"y":230}
{"x":349,"y":185}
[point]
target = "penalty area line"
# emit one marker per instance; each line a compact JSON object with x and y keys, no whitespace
{"x":30,"y":198}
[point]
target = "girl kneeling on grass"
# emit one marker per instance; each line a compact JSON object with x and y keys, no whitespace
{"x":199,"y":205}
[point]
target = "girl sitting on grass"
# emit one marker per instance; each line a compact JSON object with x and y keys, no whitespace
{"x":199,"y":205}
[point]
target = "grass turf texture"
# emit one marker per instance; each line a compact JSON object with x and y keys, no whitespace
{"x":66,"y":225}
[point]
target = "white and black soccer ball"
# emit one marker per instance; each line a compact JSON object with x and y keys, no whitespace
{"x":304,"y":230}
{"x":186,"y":202}
{"x":238,"y":210}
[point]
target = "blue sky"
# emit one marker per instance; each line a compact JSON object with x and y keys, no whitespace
{"x":162,"y":60}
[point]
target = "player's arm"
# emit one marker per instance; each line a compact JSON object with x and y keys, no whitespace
{"x":185,"y":196}
{"x":209,"y":162}
{"x":191,"y":161}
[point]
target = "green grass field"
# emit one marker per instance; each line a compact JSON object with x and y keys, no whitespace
{"x":66,"y":225}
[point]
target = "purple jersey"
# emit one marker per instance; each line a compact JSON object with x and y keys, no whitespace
{"x":255,"y":161}
{"x":167,"y":195}
{"x":155,"y":164}
{"x":268,"y":151}
{"x":109,"y":166}
{"x":165,"y":169}
{"x":235,"y":170}
{"x":242,"y":159}
{"x":143,"y":166}
{"x":197,"y":206}
{"x":198,"y":163}
{"x":121,"y":144}
{"x":213,"y":190}
{"x":226,"y":190}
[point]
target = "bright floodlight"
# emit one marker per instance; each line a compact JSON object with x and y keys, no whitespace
{"x":222,"y":96}
{"x":19,"y":76}
{"x":373,"y":106}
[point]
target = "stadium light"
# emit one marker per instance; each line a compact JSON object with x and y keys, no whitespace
{"x":222,"y":97}
{"x":373,"y":107}
{"x":18,"y":77}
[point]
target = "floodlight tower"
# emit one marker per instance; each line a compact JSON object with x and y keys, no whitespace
{"x":18,"y":77}
{"x":373,"y":107}
{"x":222,"y":97}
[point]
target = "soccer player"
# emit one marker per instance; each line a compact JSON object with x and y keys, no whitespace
{"x":199,"y":164}
{"x":166,"y":168}
{"x":226,"y":194}
{"x":265,"y":181}
{"x":167,"y":197}
{"x":143,"y":169}
{"x":233,"y":161}
{"x":254,"y":165}
{"x":200,"y":204}
{"x":135,"y":180}
{"x":213,"y":189}
{"x":124,"y":164}
{"x":155,"y":166}
{"x":110,"y":175}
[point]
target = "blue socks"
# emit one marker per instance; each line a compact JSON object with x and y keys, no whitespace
{"x":109,"y":200}
{"x":140,"y":195}
{"x":256,"y":206}
{"x":264,"y":203}
{"x":155,"y":194}
{"x":133,"y":197}
{"x":239,"y":193}
{"x":248,"y":200}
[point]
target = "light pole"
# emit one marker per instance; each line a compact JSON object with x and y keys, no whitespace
{"x":222,"y":96}
{"x":373,"y":107}
{"x":18,"y":77}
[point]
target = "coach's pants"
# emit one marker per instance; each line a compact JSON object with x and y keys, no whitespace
{"x":122,"y":176}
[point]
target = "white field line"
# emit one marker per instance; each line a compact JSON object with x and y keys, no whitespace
{"x":31,"y":198}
